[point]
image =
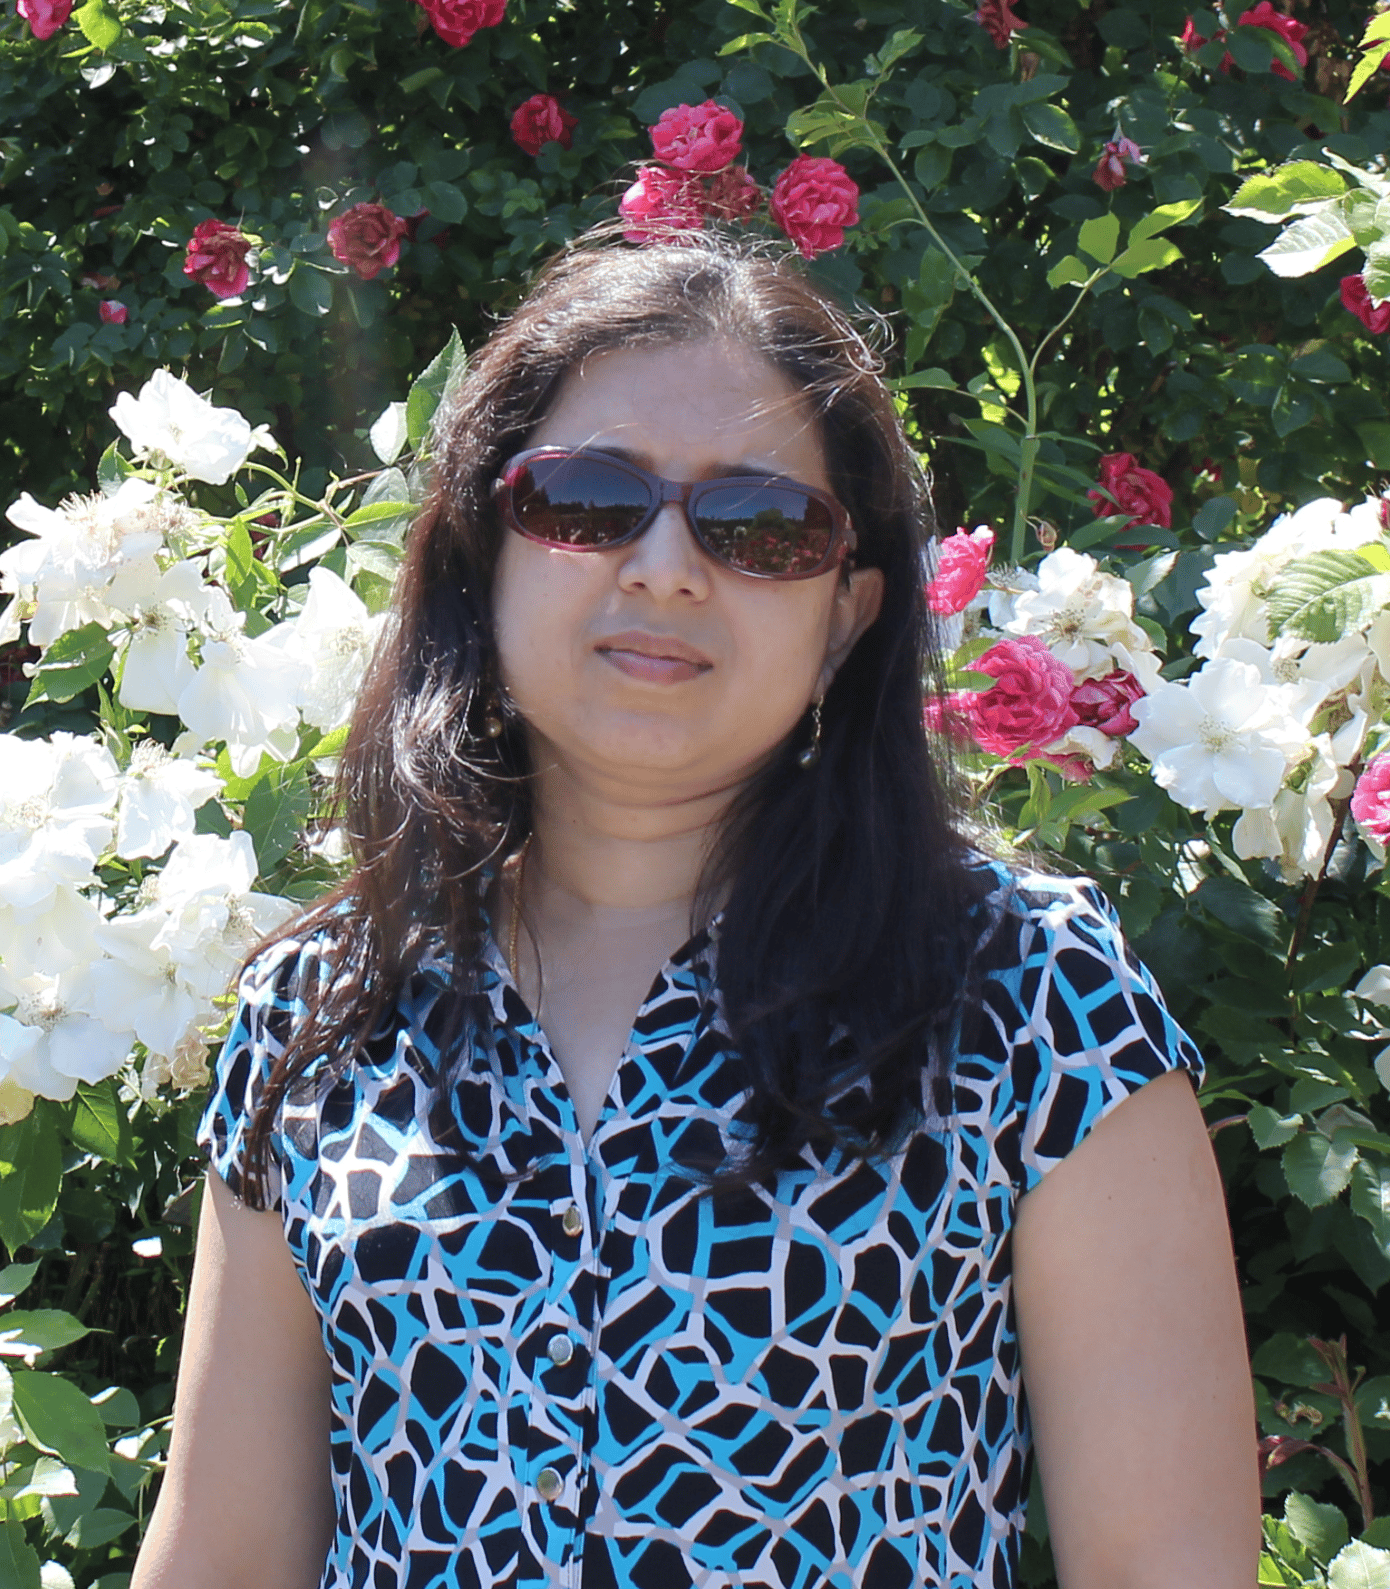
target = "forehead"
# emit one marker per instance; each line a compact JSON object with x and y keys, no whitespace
{"x":686,"y":409}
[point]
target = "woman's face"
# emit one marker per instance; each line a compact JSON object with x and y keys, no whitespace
{"x":652,"y":664}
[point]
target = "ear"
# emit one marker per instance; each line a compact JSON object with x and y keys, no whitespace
{"x":857,"y":602}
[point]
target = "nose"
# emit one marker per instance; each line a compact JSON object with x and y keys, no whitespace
{"x":666,"y":560}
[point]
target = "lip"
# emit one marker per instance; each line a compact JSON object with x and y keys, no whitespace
{"x":655,"y":659}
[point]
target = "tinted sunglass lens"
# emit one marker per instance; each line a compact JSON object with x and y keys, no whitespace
{"x":577,"y":501}
{"x":766,"y":529}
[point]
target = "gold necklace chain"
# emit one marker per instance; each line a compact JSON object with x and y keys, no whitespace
{"x":515,"y":926}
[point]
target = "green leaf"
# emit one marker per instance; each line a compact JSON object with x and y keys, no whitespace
{"x":1099,"y":237}
{"x":1366,"y":68}
{"x":311,"y":290}
{"x":25,"y":1333}
{"x":935,"y":379}
{"x":446,"y":202}
{"x":1318,"y":1170}
{"x":1359,"y":1566}
{"x":73,"y":663}
{"x":99,"y":26}
{"x":275,"y":813}
{"x":98,"y":1123}
{"x":378,"y":513}
{"x":1370,"y":1198}
{"x":899,"y":44}
{"x":58,"y":1418}
{"x":428,"y":391}
{"x":1288,"y":1360}
{"x":1319,"y":1528}
{"x":1068,"y":272}
{"x":1052,"y":127}
{"x":1269,"y":1128}
{"x":19,"y":1561}
{"x":1153,"y":253}
{"x":1327,"y":595}
{"x":1289,"y":190}
{"x":14,"y":1280}
{"x":1246,"y":912}
{"x":1308,"y":244}
{"x":1161,"y":219}
{"x":31,"y":1173}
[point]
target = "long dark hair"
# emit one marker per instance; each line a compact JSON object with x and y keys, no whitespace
{"x":851,"y":912}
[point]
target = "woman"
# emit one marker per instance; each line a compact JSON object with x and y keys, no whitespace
{"x":684,"y":1146}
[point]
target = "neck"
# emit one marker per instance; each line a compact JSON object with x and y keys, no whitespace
{"x":606,"y":848}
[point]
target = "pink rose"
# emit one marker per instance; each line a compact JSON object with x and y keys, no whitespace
{"x":1105,"y":703}
{"x":1356,"y":300}
{"x":44,"y":17}
{"x":1110,"y":173}
{"x":1265,"y":16}
{"x":1145,"y":496}
{"x":368,"y":238}
{"x":697,"y":137}
{"x":1028,"y":705}
{"x":216,"y":256}
{"x":732,"y":195}
{"x":541,"y":120}
{"x":456,"y":21}
{"x":961,"y":564}
{"x":1370,"y":800}
{"x":661,"y":203}
{"x":813,"y":201}
{"x":112,"y":313}
{"x":999,"y":21}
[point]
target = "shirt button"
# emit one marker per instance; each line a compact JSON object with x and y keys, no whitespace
{"x":560,"y":1350}
{"x":549,"y":1484}
{"x":572,"y":1221}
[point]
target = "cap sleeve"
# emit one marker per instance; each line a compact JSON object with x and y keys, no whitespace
{"x":269,"y":1002}
{"x":1094,"y":1025}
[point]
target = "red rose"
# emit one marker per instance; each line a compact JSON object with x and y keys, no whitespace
{"x":44,"y":17}
{"x":456,"y":21}
{"x":697,"y":137}
{"x":1145,"y":496}
{"x":216,"y":256}
{"x":1028,"y":705}
{"x":1192,"y":41}
{"x":999,"y":21}
{"x":1356,"y":300}
{"x":541,"y":120}
{"x":368,"y":238}
{"x":1265,"y":16}
{"x":112,"y":313}
{"x":732,"y":195}
{"x":661,"y":203}
{"x":961,"y":564}
{"x":813,"y":201}
{"x":1105,"y":703}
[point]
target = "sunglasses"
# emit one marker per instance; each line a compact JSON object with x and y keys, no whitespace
{"x":761,"y":525}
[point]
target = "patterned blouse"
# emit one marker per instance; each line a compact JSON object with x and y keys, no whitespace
{"x":563,"y":1364}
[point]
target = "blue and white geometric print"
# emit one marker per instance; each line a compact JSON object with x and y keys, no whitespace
{"x":564,"y":1363}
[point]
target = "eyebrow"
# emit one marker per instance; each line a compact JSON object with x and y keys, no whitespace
{"x":721,"y":471}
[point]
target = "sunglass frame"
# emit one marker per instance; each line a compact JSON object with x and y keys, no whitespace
{"x":843,"y":538}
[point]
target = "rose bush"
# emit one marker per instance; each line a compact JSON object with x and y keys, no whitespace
{"x":1036,"y":322}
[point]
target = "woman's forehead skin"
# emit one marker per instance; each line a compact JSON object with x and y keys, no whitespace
{"x":691,"y":410}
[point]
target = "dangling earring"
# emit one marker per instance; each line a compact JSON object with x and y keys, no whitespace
{"x":811,"y":755}
{"x":492,"y":718}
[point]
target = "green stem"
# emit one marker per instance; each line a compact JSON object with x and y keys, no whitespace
{"x":321,"y":509}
